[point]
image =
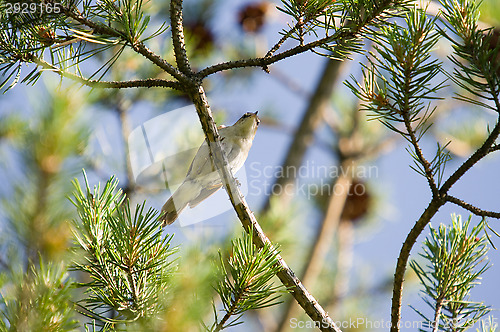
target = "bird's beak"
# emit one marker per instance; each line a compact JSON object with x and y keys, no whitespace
{"x":257,"y":118}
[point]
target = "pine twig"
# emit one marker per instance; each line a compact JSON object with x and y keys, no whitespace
{"x":404,"y":255}
{"x":140,"y":83}
{"x":139,"y":47}
{"x":341,"y":35}
{"x":178,"y":37}
{"x":477,"y":211}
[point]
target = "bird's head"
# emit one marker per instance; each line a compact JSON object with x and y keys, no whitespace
{"x":247,"y":124}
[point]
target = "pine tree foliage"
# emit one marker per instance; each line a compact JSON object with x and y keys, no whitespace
{"x":126,"y":256}
{"x":477,"y":65}
{"x":246,"y":281}
{"x":400,"y":82}
{"x":455,"y":258}
{"x":39,"y":300}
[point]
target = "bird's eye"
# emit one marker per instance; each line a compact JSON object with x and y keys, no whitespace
{"x":247,"y":114}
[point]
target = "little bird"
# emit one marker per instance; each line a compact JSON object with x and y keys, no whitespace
{"x":202,"y":179}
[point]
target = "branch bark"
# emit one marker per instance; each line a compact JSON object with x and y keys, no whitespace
{"x":247,"y":218}
{"x":141,"y":83}
{"x":404,"y":254}
{"x":475,"y":210}
{"x":178,"y":37}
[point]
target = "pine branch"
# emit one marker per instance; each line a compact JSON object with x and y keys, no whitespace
{"x":455,"y":259}
{"x":477,"y":211}
{"x":247,"y":218}
{"x":178,"y":37}
{"x":404,"y":255}
{"x":339,"y":39}
{"x":139,"y":47}
{"x":140,"y":83}
{"x":479,"y":154}
{"x":260,"y":62}
{"x":425,"y":218}
{"x":466,"y":16}
{"x":246,"y":282}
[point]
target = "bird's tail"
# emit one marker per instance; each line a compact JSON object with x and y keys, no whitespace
{"x":173,"y":207}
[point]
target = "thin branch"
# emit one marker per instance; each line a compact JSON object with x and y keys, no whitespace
{"x":425,"y":163}
{"x":473,"y":159}
{"x":260,"y":62}
{"x":404,"y":254}
{"x":282,"y":40}
{"x":140,"y":83}
{"x":437,"y":314}
{"x":178,"y":37}
{"x":247,"y":218}
{"x":475,"y":210}
{"x":409,"y":74}
{"x":159,"y":61}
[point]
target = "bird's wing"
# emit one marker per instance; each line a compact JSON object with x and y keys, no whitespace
{"x":201,"y":164}
{"x":204,"y":194}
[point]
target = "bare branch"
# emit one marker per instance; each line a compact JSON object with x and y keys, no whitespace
{"x":178,"y":37}
{"x":404,"y":254}
{"x":473,"y":159}
{"x":140,"y":83}
{"x":477,"y":211}
{"x":262,"y":62}
{"x":247,"y":218}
